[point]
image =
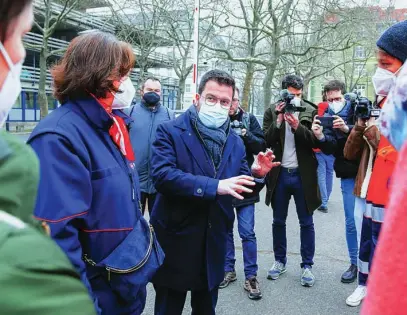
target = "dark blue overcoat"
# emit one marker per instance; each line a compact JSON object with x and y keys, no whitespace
{"x":190,"y":219}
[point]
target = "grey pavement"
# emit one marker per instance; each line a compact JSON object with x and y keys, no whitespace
{"x":286,"y":296}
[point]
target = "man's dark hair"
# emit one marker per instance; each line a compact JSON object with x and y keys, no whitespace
{"x":334,"y":85}
{"x":10,"y":10}
{"x":149,"y":78}
{"x":292,"y":80}
{"x":219,"y":76}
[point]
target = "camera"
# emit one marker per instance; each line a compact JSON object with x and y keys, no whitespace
{"x":363,"y":107}
{"x":292,"y":104}
{"x":237,"y":127}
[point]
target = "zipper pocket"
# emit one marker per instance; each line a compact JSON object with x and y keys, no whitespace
{"x":133,"y":193}
{"x":139,"y":265}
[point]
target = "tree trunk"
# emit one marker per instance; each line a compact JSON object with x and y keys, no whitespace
{"x":305,"y":89}
{"x":42,"y":95}
{"x":181,"y":86}
{"x":268,"y":80}
{"x":246,"y":86}
{"x":143,"y":71}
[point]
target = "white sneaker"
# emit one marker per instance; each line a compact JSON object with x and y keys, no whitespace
{"x":357,"y":296}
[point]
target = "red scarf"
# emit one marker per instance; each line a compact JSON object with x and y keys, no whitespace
{"x":118,"y":131}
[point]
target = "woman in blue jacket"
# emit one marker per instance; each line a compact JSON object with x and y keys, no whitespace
{"x":89,"y":192}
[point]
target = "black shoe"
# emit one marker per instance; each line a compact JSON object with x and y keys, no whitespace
{"x":350,"y":275}
{"x":323,"y":209}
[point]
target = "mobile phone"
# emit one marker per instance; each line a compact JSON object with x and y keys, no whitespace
{"x":327,"y":121}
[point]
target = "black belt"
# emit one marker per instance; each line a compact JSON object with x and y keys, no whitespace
{"x":291,"y":170}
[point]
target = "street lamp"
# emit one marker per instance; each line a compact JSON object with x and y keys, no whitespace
{"x":195,"y":53}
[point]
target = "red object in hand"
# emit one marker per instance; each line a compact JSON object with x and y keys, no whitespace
{"x":264,"y":163}
{"x":322,"y":107}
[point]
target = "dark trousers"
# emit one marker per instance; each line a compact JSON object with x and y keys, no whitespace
{"x":171,"y":302}
{"x":150,"y":198}
{"x":289,"y":184}
{"x":368,"y":241}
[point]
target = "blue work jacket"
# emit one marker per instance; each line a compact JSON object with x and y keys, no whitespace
{"x":191,"y":221}
{"x":89,"y":195}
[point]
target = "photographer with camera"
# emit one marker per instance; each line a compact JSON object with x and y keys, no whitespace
{"x":339,"y":116}
{"x":376,"y":154}
{"x":248,"y":128}
{"x":287,"y":129}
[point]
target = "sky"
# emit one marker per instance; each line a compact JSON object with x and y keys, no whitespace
{"x":397,"y":3}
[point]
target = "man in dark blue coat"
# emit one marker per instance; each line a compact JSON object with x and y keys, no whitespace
{"x":198,"y":167}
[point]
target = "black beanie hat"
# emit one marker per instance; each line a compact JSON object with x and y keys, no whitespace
{"x":394,"y":41}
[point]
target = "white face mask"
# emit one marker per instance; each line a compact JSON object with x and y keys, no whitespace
{"x":123,"y":100}
{"x":11,"y":88}
{"x":213,"y":116}
{"x":336,"y":106}
{"x":383,"y":80}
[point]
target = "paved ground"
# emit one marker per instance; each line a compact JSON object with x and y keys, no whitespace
{"x":286,"y":296}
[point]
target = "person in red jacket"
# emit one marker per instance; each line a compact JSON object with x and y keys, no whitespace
{"x":392,"y":52}
{"x":390,"y":296}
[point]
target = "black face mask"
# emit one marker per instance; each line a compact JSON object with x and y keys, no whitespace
{"x":151,"y":98}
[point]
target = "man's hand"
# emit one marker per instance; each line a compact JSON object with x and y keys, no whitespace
{"x":292,"y":120}
{"x":244,"y":132}
{"x":317,"y":129}
{"x":340,"y":124}
{"x":371,"y":122}
{"x":361,"y":122}
{"x":279,"y":109}
{"x":264,"y":163}
{"x":235,"y":185}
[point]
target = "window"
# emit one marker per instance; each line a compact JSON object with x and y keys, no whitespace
{"x":29,"y":100}
{"x":360,"y":70}
{"x":17,"y":104}
{"x":51,"y":102}
{"x":361,"y":89}
{"x":187,"y":88}
{"x":360,"y":52}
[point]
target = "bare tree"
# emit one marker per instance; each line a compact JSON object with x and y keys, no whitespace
{"x":178,"y":26}
{"x":139,"y":23}
{"x":52,"y":17}
{"x":289,"y":36}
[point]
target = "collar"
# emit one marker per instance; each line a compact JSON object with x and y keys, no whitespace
{"x":97,"y":114}
{"x":185,"y":119}
{"x":150,"y":109}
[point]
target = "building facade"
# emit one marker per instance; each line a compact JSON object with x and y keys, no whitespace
{"x":26,"y":109}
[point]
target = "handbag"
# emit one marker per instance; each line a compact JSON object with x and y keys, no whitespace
{"x":138,"y":256}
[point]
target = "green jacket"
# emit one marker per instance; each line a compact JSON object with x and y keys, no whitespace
{"x":36,"y":276}
{"x":19,"y":176}
{"x":304,"y":143}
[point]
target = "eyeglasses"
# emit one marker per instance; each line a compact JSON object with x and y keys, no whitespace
{"x":212,"y":101}
{"x":336,"y":99}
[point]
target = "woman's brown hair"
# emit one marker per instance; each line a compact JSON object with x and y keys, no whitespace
{"x":92,"y":64}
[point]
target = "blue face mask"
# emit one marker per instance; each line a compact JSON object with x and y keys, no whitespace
{"x":213,"y":117}
{"x":151,"y":98}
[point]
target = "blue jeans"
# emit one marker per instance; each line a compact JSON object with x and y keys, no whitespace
{"x":347,"y":186}
{"x":289,"y":184}
{"x":245,"y":225}
{"x":325,"y":175}
{"x":360,"y":210}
